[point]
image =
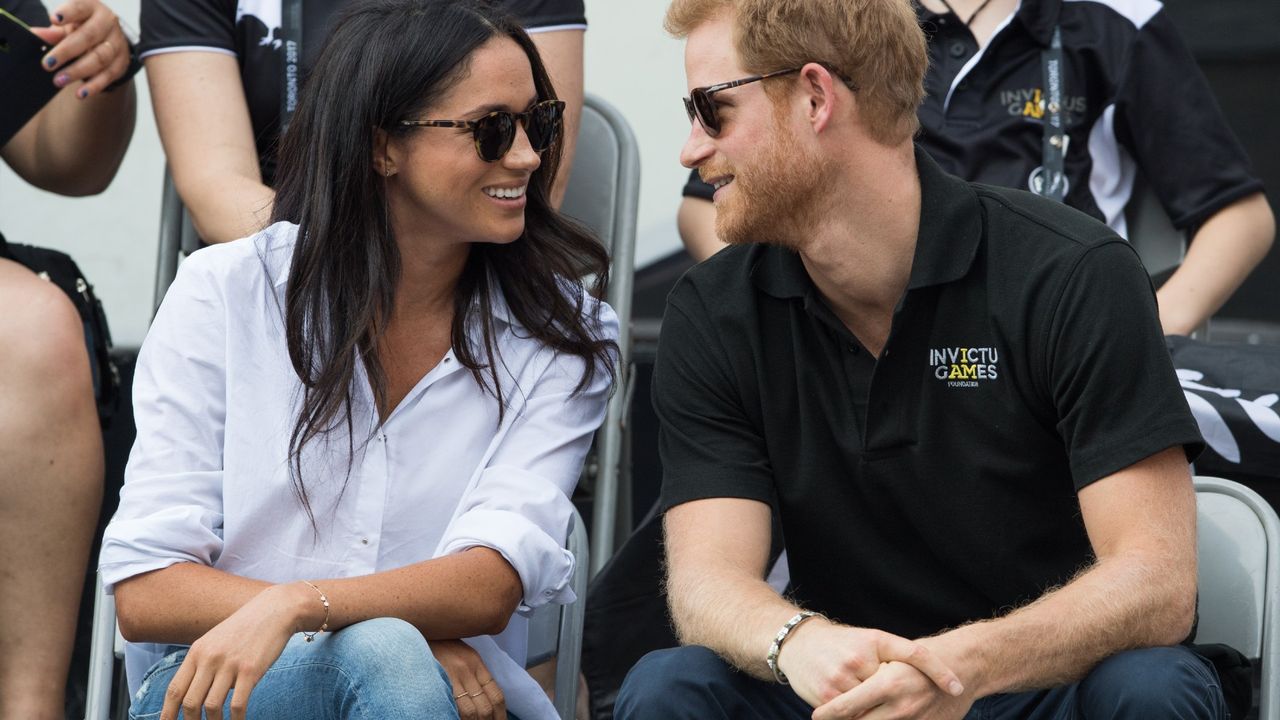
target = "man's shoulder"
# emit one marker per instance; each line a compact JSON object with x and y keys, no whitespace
{"x":1020,"y":220}
{"x":721,"y":282}
{"x":1112,"y":14}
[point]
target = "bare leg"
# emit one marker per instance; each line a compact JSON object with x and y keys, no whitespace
{"x":50,"y":489}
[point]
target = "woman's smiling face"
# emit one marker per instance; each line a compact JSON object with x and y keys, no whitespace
{"x":438,"y":186}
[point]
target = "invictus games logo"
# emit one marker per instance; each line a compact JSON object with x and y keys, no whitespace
{"x":1030,"y":103}
{"x":964,"y":366}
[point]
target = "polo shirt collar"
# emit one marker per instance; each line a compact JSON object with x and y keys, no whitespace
{"x":1038,"y":16}
{"x":950,"y":228}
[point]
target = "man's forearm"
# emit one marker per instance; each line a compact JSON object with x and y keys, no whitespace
{"x":1119,"y":604}
{"x":1222,"y":254}
{"x":736,"y":617}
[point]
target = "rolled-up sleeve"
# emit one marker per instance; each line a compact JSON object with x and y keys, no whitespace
{"x":519,"y":505}
{"x":171,"y":505}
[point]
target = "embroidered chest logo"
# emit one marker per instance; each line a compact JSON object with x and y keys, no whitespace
{"x":1029,"y":103}
{"x":964,"y":367}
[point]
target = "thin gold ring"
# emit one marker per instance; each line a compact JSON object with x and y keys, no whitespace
{"x":459,"y":696}
{"x":486,"y":682}
{"x":475,"y":694}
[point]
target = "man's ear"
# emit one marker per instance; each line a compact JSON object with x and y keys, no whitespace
{"x":819,"y":88}
{"x":383,"y":164}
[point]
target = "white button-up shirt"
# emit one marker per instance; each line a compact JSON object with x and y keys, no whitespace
{"x":215,"y":400}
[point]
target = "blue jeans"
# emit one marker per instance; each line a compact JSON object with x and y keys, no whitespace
{"x":1169,"y":683}
{"x":375,"y":670}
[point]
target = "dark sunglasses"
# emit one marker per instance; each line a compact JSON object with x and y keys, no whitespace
{"x":701,"y":106}
{"x":496,"y":132}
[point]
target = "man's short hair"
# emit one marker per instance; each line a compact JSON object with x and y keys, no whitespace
{"x":877,"y":44}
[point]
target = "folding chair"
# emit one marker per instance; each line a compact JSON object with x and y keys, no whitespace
{"x":604,"y":195}
{"x":1239,"y":554}
{"x":554,"y":631}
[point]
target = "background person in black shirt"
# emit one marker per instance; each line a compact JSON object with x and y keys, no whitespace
{"x":957,"y":397}
{"x":50,"y":439}
{"x":1134,"y":99}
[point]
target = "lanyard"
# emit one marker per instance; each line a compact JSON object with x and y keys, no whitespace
{"x":291,"y":30}
{"x":1053,"y":183}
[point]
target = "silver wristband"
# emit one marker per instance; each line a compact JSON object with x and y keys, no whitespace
{"x":772,"y":658}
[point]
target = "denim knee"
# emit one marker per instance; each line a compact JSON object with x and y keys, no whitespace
{"x":388,"y":660}
{"x":671,"y":683}
{"x":1162,"y":682}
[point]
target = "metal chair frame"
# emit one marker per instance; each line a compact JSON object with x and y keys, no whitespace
{"x":1238,"y":602}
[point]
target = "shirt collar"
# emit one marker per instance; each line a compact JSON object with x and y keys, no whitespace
{"x":950,"y":228}
{"x":1039,"y":17}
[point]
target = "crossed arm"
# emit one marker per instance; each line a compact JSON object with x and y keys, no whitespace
{"x":204,"y":125}
{"x":1140,"y":592}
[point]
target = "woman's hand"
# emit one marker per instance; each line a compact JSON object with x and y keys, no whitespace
{"x":236,"y":653}
{"x":88,"y":45}
{"x":477,"y":695}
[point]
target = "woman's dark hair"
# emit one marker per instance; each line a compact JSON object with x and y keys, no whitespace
{"x":387,"y":61}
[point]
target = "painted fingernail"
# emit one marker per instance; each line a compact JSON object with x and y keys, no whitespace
{"x":62,"y":79}
{"x":50,"y":61}
{"x":83,"y":93}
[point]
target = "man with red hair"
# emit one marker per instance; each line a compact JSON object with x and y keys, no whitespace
{"x":956,"y":396}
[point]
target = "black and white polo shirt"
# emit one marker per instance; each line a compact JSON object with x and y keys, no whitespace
{"x":1133,"y":98}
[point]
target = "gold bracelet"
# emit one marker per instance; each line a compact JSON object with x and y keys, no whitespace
{"x":324,"y":626}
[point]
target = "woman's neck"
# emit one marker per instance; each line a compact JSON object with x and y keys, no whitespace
{"x":429,"y":272}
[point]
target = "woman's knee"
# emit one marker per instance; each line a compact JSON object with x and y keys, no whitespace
{"x":387,"y":661}
{"x":43,"y":335}
{"x":1163,"y":682}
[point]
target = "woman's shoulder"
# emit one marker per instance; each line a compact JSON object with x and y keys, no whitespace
{"x":261,"y":259}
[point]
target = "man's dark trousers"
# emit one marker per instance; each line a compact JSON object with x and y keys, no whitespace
{"x":1169,"y":683}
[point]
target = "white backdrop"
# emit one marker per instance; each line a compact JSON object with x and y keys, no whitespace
{"x":629,"y":61}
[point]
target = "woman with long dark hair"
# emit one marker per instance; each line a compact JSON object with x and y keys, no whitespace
{"x":358,"y":429}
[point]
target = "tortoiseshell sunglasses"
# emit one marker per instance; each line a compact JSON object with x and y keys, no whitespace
{"x":496,"y":132}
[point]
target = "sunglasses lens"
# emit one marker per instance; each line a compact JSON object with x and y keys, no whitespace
{"x":544,"y":125}
{"x":494,"y":135}
{"x":705,"y":108}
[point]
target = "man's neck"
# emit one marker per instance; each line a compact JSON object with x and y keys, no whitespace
{"x":860,"y":254}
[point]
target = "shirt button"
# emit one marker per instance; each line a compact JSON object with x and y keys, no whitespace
{"x":964,"y":85}
{"x":364,"y":541}
{"x":958,"y":50}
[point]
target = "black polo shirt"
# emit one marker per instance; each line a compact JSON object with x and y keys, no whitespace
{"x":1133,"y":97}
{"x":936,"y":485}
